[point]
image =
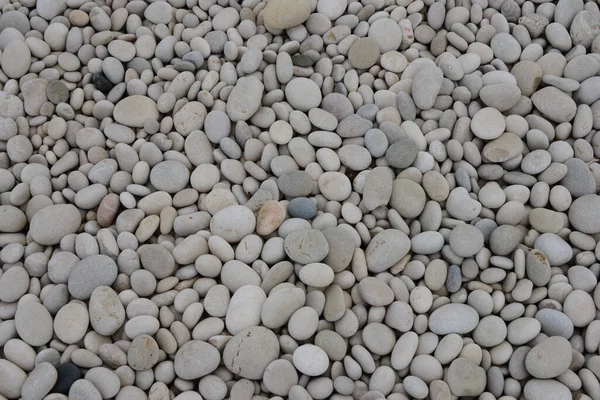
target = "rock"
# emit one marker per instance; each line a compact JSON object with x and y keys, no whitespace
{"x":584,"y":28}
{"x":90,"y":273}
{"x":233,"y":223}
{"x":12,"y":379}
{"x":488,"y":123}
{"x":311,"y":360}
{"x":408,"y":198}
{"x":279,"y":377}
{"x":426,"y":86}
{"x":16,"y":59}
{"x":554,"y":104}
{"x":505,"y":47}
{"x":555,"y":323}
{"x":579,"y":307}
{"x":507,"y":146}
{"x":249,"y":352}
{"x":461,"y":206}
{"x":106,"y":312}
{"x":50,"y":224}
{"x":12,"y":219}
{"x":245,"y":308}
{"x":157,"y":259}
{"x":159,"y":13}
{"x":378,"y":188}
{"x":68,"y":373}
{"x":169,"y":176}
{"x":363,"y":53}
{"x":556,"y":250}
{"x":584,"y":214}
{"x":538,"y":268}
{"x":190,"y":117}
{"x":39,"y":382}
{"x":541,"y":389}
{"x":453,"y":318}
{"x":245,"y":98}
{"x":306,"y":246}
{"x":402,"y":153}
{"x":303,"y":94}
{"x":71,"y":322}
{"x":302,"y":207}
{"x":134,"y":110}
{"x":465,"y":378}
{"x":280,"y":305}
{"x":285,"y":14}
{"x":375,"y":292}
{"x":386,"y":249}
{"x":33,"y":323}
{"x":579,"y":180}
{"x":143,"y":354}
{"x":387,"y":33}
{"x":549,"y":358}
{"x":490,"y":332}
{"x":466,"y":240}
{"x":84,"y":390}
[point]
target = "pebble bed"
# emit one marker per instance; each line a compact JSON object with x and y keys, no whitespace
{"x":299,"y":199}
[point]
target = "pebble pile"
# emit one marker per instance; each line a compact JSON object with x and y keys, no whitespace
{"x":299,"y":199}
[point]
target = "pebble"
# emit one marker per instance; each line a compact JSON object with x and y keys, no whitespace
{"x":250,"y":352}
{"x":299,"y":199}
{"x":33,"y":323}
{"x":285,"y":14}
{"x":453,"y":318}
{"x":134,"y":110}
{"x":549,"y":358}
{"x":363,"y":53}
{"x":50,"y":224}
{"x":465,"y":378}
{"x":90,"y":273}
{"x":68,"y":373}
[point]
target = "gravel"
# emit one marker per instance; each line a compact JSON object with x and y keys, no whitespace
{"x":303,"y":199}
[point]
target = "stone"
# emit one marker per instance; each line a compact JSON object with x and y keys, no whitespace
{"x":488,"y":123}
{"x":169,"y":176}
{"x":453,"y":318}
{"x":250,"y":352}
{"x":310,"y":360}
{"x":466,"y":240}
{"x":302,"y":207}
{"x":16,"y":58}
{"x":285,"y":14}
{"x":465,"y":378}
{"x":386,"y":249}
{"x":33,"y":323}
{"x":50,"y":224}
{"x":579,"y":307}
{"x":68,"y":373}
{"x":541,"y":389}
{"x":90,"y":273}
{"x":507,"y":146}
{"x":306,"y":246}
{"x":71,"y":322}
{"x":39,"y":382}
{"x":303,"y":94}
{"x":143,"y":354}
{"x":233,"y":223}
{"x":244,"y":100}
{"x":427,"y":84}
{"x":364,"y":53}
{"x":554,"y":104}
{"x":549,"y":358}
{"x":106,"y":312}
{"x":134,"y":110}
{"x":402,"y":153}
